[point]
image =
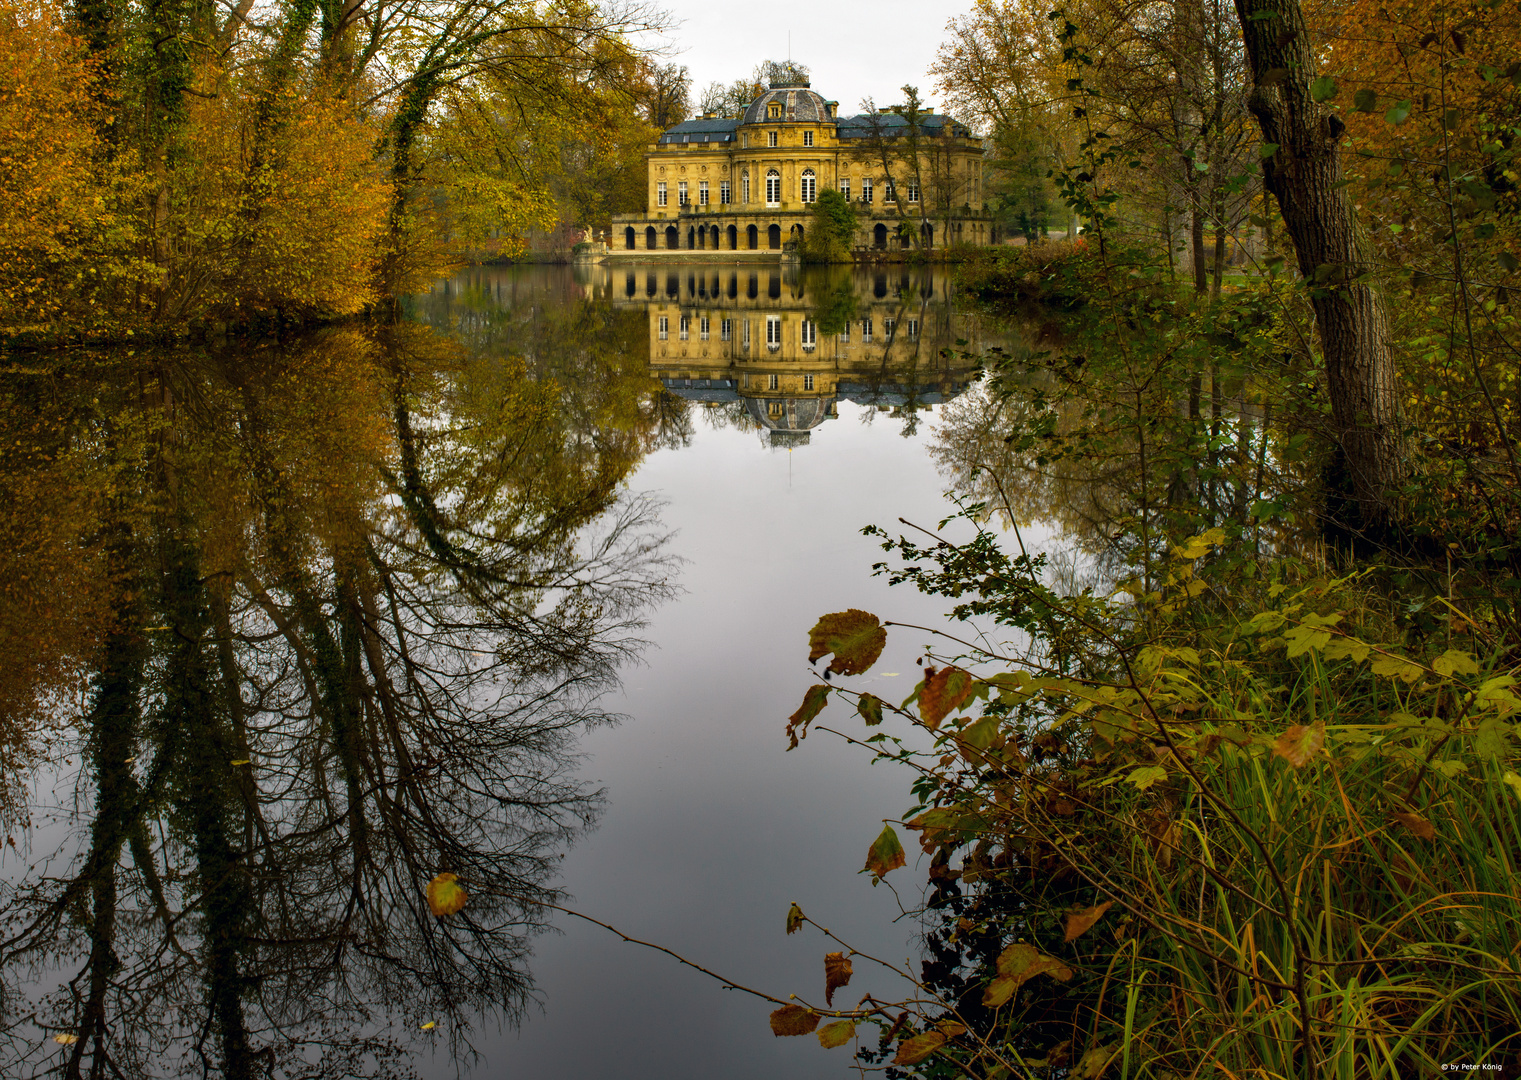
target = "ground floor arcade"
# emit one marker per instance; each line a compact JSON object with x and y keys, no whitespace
{"x":707,"y":231}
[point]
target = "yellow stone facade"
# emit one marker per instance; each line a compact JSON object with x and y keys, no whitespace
{"x":745,"y":185}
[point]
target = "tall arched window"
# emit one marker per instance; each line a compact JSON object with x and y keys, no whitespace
{"x":744,"y":187}
{"x":773,"y":187}
{"x":810,"y":186}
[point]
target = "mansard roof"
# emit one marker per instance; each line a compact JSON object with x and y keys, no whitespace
{"x":894,"y":126}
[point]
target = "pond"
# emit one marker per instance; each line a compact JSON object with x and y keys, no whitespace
{"x":519,"y":588}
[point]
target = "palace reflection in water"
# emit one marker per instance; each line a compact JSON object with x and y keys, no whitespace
{"x":777,"y":348}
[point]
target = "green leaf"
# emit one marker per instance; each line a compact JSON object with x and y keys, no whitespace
{"x":1513,"y":781}
{"x":1365,"y":100}
{"x":1492,"y":737}
{"x":855,"y":637}
{"x":1301,"y":639}
{"x":1147,"y":775}
{"x":1397,"y":667}
{"x":794,"y":918}
{"x":977,"y":737}
{"x":837,"y":1034}
{"x":1453,"y":662}
{"x":1347,"y":648}
{"x":869,"y":707}
{"x":1267,"y":150}
{"x":813,"y":701}
{"x":1399,"y":114}
{"x":1323,"y":88}
{"x":885,"y":855}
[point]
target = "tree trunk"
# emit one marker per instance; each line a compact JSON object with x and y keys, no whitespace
{"x":1196,"y":242}
{"x":1304,"y":174}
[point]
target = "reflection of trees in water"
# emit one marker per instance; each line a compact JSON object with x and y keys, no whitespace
{"x":360,"y":599}
{"x":1120,"y":453}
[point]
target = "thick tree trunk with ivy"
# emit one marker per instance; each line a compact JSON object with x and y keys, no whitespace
{"x":1304,"y":174}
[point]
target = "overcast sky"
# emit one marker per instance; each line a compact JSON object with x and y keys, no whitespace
{"x":854,"y":49}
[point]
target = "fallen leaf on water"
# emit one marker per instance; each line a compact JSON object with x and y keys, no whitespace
{"x":444,"y":896}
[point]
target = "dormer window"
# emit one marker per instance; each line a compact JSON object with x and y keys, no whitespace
{"x":774,"y":110}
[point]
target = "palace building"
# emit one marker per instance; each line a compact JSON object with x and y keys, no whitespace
{"x":747,"y":185}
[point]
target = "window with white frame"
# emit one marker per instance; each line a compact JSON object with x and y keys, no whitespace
{"x":702,"y":193}
{"x":866,"y":190}
{"x":810,"y":186}
{"x":686,"y":328}
{"x":772,"y":383}
{"x":865,"y":330}
{"x":773,"y":187}
{"x":807,"y":382}
{"x":745,"y":335}
{"x":770,"y":138}
{"x":807,"y":138}
{"x":888,"y":326}
{"x":681,"y":193}
{"x":845,"y":187}
{"x":889,"y":192}
{"x":845,"y":334}
{"x":809,"y":334}
{"x":745,"y":141}
{"x":665,"y":328}
{"x":660,"y":193}
{"x":723,"y":193}
{"x":913,"y":329}
{"x":726,"y":329}
{"x":774,"y":110}
{"x":744,"y":188}
{"x":913,"y":192}
{"x":773,"y":332}
{"x":702,"y":328}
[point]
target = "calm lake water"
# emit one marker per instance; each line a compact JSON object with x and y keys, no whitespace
{"x":745,"y":424}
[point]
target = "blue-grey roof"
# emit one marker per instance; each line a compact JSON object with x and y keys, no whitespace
{"x":892,"y":125}
{"x":700,"y":131}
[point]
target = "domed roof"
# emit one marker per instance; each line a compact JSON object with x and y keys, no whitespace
{"x":800,"y":105}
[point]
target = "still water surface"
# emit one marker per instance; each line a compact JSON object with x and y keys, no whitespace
{"x":744,"y":426}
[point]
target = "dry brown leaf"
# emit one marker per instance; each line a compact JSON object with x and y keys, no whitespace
{"x":1416,"y":824}
{"x":855,"y":637}
{"x":944,"y":691}
{"x":912,"y":1051}
{"x":793,"y":1020}
{"x":836,"y":974}
{"x":1079,"y":922}
{"x":1299,"y":744}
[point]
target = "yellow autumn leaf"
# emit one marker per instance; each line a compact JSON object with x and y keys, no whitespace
{"x":430,"y":1025}
{"x":444,"y":896}
{"x":65,"y":1038}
